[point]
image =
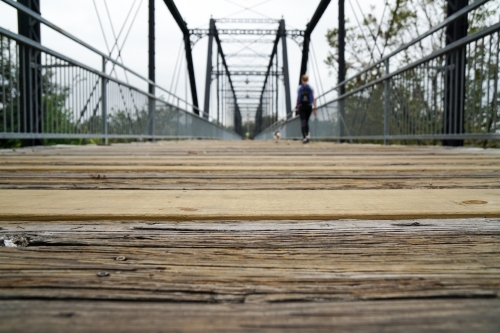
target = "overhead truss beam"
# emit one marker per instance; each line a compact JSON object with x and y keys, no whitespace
{"x":251,"y":32}
{"x":247,"y":41}
{"x":243,"y":20}
{"x":248,"y":55}
{"x":251,"y":73}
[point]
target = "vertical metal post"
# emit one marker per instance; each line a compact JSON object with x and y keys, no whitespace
{"x":104,"y":104}
{"x":218,"y":89}
{"x":286,"y":73}
{"x":31,"y":69}
{"x":208,"y":80}
{"x":455,"y":76}
{"x":387,"y":102}
{"x":152,"y":70}
{"x":342,"y":68}
{"x":276,"y":115}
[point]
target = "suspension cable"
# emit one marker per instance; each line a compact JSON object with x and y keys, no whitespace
{"x":315,"y":63}
{"x":124,"y":24}
{"x":362,"y":32}
{"x":369,"y":29}
{"x":179,"y":74}
{"x":120,"y":58}
{"x":251,"y":8}
{"x":379,"y":30}
{"x":177,"y":64}
{"x":100,"y":24}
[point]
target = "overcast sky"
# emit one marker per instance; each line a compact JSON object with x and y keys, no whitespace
{"x":80,"y":19}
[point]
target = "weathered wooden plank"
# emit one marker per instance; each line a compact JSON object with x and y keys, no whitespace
{"x":472,"y":315}
{"x":413,"y":227}
{"x":250,"y":262}
{"x":279,"y":183}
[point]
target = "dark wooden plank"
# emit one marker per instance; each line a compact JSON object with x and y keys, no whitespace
{"x":468,"y":315}
{"x":253,"y":261}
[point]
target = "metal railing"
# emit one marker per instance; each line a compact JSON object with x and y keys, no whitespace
{"x":47,"y":95}
{"x":450,"y":94}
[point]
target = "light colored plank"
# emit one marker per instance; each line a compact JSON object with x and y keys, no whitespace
{"x":247,"y":205}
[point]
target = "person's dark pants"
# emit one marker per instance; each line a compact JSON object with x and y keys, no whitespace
{"x":305,"y":114}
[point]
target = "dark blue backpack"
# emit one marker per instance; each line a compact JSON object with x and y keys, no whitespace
{"x":305,"y":96}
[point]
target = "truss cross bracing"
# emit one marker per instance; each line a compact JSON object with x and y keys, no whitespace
{"x":247,"y":68}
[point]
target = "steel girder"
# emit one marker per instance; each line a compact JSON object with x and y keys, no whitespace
{"x":237,"y":114}
{"x":258,"y":115}
{"x":151,"y":69}
{"x":307,"y":34}
{"x":247,"y":32}
{"x":247,"y":41}
{"x":286,"y":73}
{"x":251,"y":73}
{"x":342,"y":65}
{"x":243,"y":20}
{"x":187,"y":46}
{"x":208,"y":79}
{"x":31,"y":77}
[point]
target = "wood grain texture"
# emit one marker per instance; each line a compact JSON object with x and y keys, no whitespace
{"x":245,"y":165}
{"x":194,"y":236}
{"x":247,"y":205}
{"x":471,"y":315}
{"x":254,"y":261}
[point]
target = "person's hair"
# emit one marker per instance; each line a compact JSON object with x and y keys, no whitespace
{"x":305,"y":78}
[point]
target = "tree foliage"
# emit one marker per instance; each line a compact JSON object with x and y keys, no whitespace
{"x":417,"y":96}
{"x":402,"y":21}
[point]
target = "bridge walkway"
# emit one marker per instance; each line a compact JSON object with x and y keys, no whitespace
{"x":249,"y":236}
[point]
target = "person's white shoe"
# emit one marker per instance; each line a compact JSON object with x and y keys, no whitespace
{"x":305,"y":140}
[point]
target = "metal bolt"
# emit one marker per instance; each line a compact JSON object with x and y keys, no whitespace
{"x":102,"y":274}
{"x":121,"y":258}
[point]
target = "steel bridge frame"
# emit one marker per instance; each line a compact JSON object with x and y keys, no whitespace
{"x":450,"y":127}
{"x":29,"y":27}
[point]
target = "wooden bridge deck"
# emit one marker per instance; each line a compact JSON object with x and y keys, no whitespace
{"x":194,"y":236}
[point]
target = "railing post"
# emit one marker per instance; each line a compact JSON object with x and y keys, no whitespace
{"x":31,"y":77}
{"x":342,"y":71}
{"x":453,"y":118}
{"x":387,"y":102}
{"x":152,"y":72}
{"x":104,"y":103}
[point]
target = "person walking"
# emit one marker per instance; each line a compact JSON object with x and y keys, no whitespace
{"x":305,"y":102}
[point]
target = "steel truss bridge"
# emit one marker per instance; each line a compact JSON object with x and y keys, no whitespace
{"x":448,"y":95}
